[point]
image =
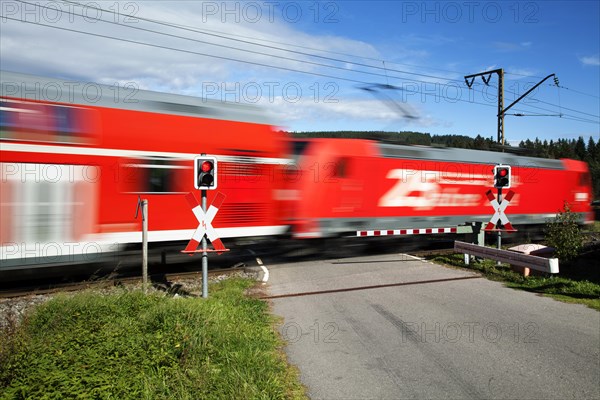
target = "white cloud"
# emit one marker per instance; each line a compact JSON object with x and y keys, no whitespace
{"x":56,"y":50}
{"x":52,"y":50}
{"x":590,"y":60}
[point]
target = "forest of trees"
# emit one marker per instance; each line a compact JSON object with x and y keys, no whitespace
{"x":576,"y":149}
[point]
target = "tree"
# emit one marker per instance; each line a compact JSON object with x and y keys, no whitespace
{"x":564,"y":234}
{"x":592,"y":151}
{"x":580,"y":151}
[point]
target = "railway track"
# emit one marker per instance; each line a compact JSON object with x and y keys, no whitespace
{"x":162,"y":279}
{"x":168,"y":282}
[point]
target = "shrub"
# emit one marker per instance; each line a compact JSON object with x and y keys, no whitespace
{"x":564,"y":235}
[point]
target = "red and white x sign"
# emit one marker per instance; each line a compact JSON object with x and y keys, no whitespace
{"x":499,"y":214}
{"x":205,"y":223}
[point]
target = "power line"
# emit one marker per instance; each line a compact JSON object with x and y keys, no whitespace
{"x":562,"y":87}
{"x":257,"y":44}
{"x":266,"y":54}
{"x":186,"y":51}
{"x":215,"y":44}
{"x":572,"y":118}
{"x":550,"y":104}
{"x":579,"y":92}
{"x":235,"y":59}
{"x":222,"y":36}
{"x":244,"y":39}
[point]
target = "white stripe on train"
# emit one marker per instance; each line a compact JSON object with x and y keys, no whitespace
{"x":103,"y":152}
{"x":110,"y":242}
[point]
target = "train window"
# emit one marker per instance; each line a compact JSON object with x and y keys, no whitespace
{"x":156,"y":175}
{"x":159,"y":179}
{"x":299,"y":146}
{"x":341,"y":168}
{"x":65,"y":117}
{"x":41,"y":122}
{"x":585,"y":179}
{"x":298,"y":150}
{"x":7,"y":123}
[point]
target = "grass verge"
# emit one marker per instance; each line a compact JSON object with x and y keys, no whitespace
{"x":131,"y":346}
{"x":578,"y":282}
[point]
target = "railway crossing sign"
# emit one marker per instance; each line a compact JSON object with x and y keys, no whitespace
{"x":205,"y":224}
{"x":205,"y":178}
{"x":499,"y":214}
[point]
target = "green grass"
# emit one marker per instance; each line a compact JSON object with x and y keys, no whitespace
{"x":131,"y":346}
{"x":578,"y":281}
{"x":593,"y":227}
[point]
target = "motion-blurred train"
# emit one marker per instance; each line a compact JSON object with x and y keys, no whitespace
{"x":76,"y":157}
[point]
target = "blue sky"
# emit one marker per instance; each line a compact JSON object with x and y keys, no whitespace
{"x":422,"y":49}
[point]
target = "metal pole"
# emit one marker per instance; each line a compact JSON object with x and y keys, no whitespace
{"x":145,"y":245}
{"x":204,"y":254}
{"x":499,"y":232}
{"x":501,"y":107}
{"x":486,"y":76}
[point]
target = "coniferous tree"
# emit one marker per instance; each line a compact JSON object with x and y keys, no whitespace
{"x":580,"y":149}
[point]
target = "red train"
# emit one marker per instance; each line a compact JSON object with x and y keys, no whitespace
{"x":346,"y":185}
{"x":75,"y":157}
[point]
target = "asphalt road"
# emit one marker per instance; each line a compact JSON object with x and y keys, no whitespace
{"x":451,"y":337}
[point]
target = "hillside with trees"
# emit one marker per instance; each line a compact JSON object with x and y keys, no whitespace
{"x":576,"y":149}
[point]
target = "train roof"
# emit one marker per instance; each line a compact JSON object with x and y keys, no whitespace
{"x":442,"y":154}
{"x":68,"y":91}
{"x":465,"y":155}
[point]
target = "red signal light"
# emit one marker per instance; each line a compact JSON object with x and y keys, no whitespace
{"x":205,"y":171}
{"x":502,"y":176}
{"x":206,"y":166}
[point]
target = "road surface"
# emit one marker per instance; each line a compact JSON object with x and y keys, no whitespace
{"x":442,"y":333}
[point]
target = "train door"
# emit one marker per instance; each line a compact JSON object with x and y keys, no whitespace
{"x":48,"y":213}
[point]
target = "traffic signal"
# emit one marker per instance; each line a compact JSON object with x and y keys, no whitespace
{"x":502,"y":176}
{"x":205,"y":173}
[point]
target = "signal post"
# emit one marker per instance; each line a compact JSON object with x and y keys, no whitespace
{"x":502,"y":180}
{"x":205,"y":178}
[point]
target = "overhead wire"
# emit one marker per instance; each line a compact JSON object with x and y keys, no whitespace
{"x":244,"y":39}
{"x":222,"y":36}
{"x":273,"y":55}
{"x":231,"y":58}
{"x":545,"y":102}
{"x":185,"y":51}
{"x":213,"y":56}
{"x":580,"y":92}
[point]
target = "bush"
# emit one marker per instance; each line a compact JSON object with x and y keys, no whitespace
{"x":564,"y":234}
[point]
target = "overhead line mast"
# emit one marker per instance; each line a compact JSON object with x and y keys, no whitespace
{"x":486,"y":77}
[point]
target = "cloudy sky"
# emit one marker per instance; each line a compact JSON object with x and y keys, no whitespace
{"x":332,"y":65}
